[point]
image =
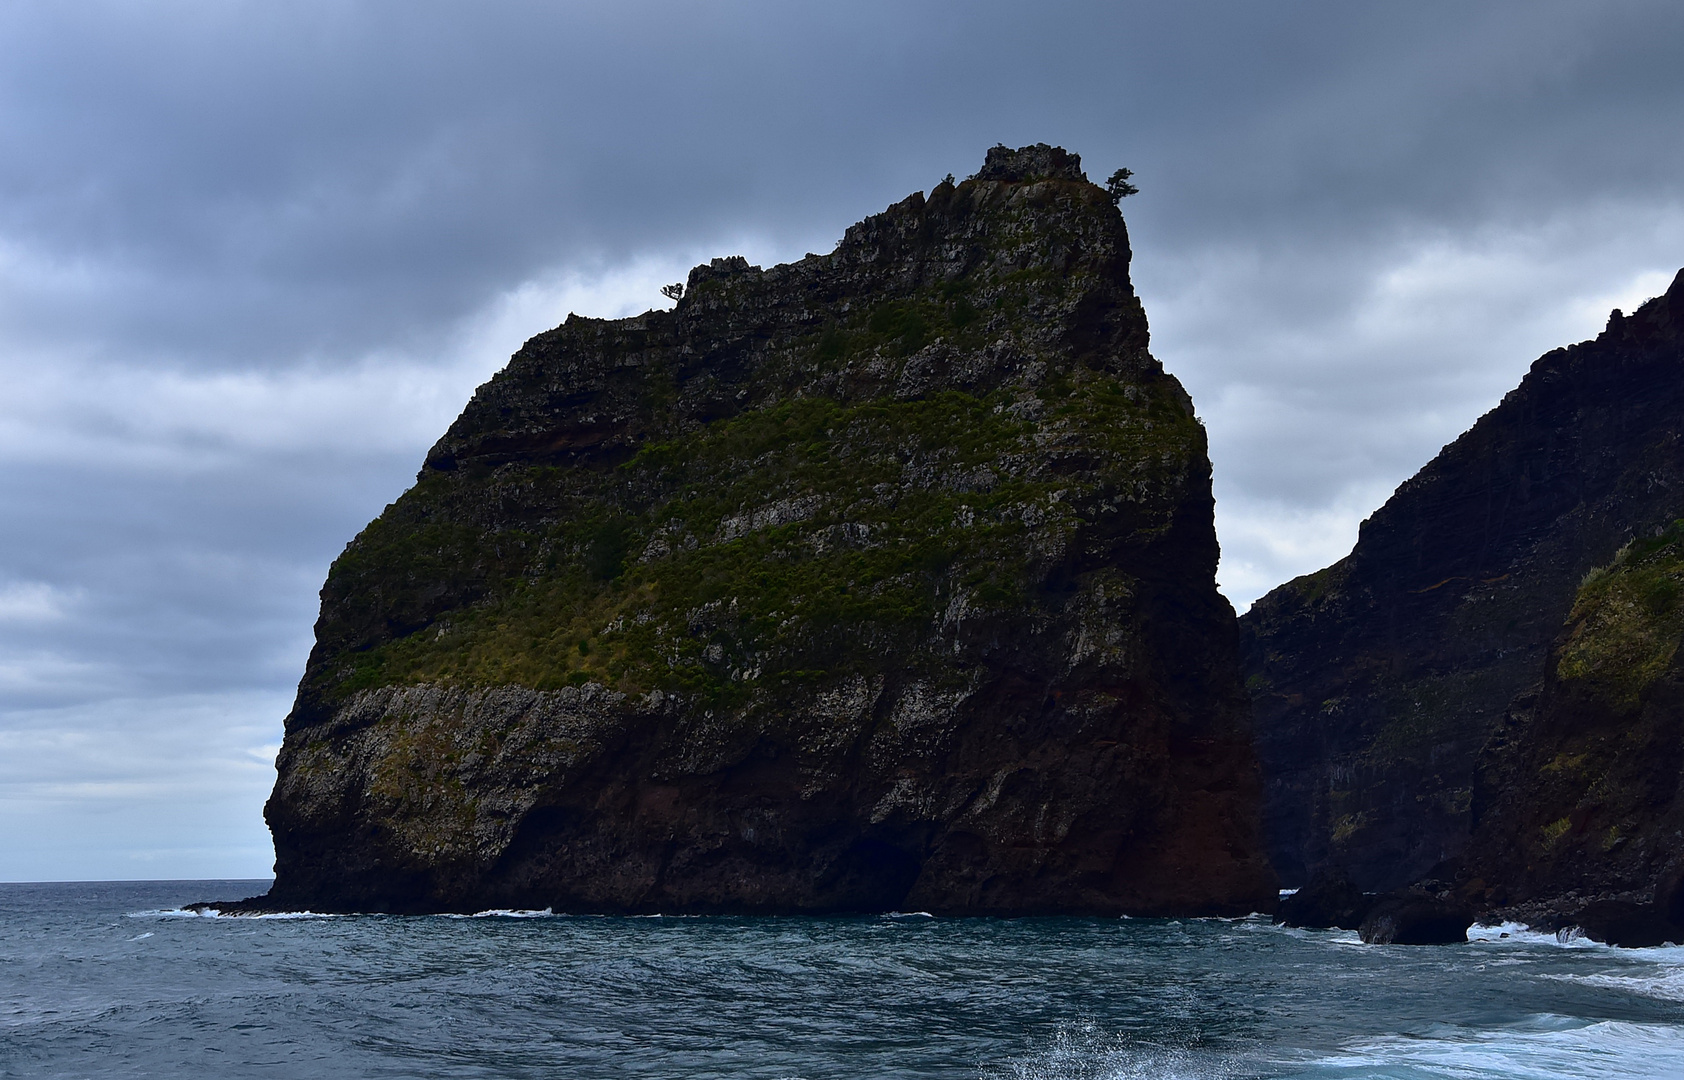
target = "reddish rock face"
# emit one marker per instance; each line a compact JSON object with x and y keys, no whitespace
{"x":1379,"y":680}
{"x":880,"y":580}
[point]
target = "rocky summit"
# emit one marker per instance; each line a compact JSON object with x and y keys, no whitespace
{"x":1495,"y":664}
{"x":879,"y":580}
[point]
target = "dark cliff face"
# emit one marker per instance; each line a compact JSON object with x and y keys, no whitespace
{"x":1578,"y":794}
{"x":884,"y":579}
{"x":1378,"y":680}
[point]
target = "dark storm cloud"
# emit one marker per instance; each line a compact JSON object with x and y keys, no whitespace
{"x":254,"y":257}
{"x":228,"y":183}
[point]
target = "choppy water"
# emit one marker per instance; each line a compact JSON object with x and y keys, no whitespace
{"x":113,"y":980}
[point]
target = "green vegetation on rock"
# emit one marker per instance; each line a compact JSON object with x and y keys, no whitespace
{"x":1627,"y":621}
{"x":784,"y":545}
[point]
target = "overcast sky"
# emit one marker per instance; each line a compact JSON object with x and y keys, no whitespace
{"x":254,"y":257}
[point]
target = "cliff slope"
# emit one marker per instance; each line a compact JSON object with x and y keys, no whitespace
{"x":1378,"y":680}
{"x":883,"y":579}
{"x":1578,"y":797}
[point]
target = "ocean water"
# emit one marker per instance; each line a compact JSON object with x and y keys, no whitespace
{"x":114,"y":979}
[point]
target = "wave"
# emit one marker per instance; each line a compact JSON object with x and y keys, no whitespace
{"x":490,"y":913}
{"x":1547,"y":1048}
{"x":1659,"y":973}
{"x":213,"y":913}
{"x":1522,"y":934}
{"x":508,"y":913}
{"x":1084,"y":1050}
{"x":1665,"y":985}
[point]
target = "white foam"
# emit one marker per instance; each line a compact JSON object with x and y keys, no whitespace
{"x":213,"y":913}
{"x":1085,"y":1051}
{"x":1571,"y":938}
{"x":176,"y":913}
{"x":907,"y":915}
{"x":1666,"y":985}
{"x":1551,"y":1048}
{"x":1656,"y":973}
{"x":509,"y":913}
{"x":1330,"y":935}
{"x":1521,"y":934}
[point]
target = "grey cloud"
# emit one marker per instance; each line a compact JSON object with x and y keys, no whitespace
{"x":332,"y":179}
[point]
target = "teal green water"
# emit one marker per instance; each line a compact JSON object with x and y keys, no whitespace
{"x":113,"y":980}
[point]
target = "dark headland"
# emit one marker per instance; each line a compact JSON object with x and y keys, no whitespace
{"x":886,"y":580}
{"x":883,"y":579}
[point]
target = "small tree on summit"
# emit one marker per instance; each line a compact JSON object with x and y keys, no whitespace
{"x":674,"y":291}
{"x":1119,"y":187}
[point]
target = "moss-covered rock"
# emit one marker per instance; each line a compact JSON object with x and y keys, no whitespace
{"x":880,"y":579}
{"x":1626,"y":620}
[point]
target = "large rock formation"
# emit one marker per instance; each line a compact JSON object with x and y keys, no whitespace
{"x":1579,"y":800}
{"x":883,"y":579}
{"x":1378,"y":680}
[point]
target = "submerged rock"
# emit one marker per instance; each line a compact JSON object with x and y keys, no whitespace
{"x":1331,"y":899}
{"x":1415,"y":918}
{"x":883,"y":579}
{"x":1624,"y":923}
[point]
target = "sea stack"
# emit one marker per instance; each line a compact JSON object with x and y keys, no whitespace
{"x":879,"y":580}
{"x":1497,"y":655}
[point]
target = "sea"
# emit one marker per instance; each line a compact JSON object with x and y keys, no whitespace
{"x":119,"y":980}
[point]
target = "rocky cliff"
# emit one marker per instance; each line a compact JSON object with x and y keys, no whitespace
{"x":1379,"y":680}
{"x":882,"y":579}
{"x":1577,"y":799}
